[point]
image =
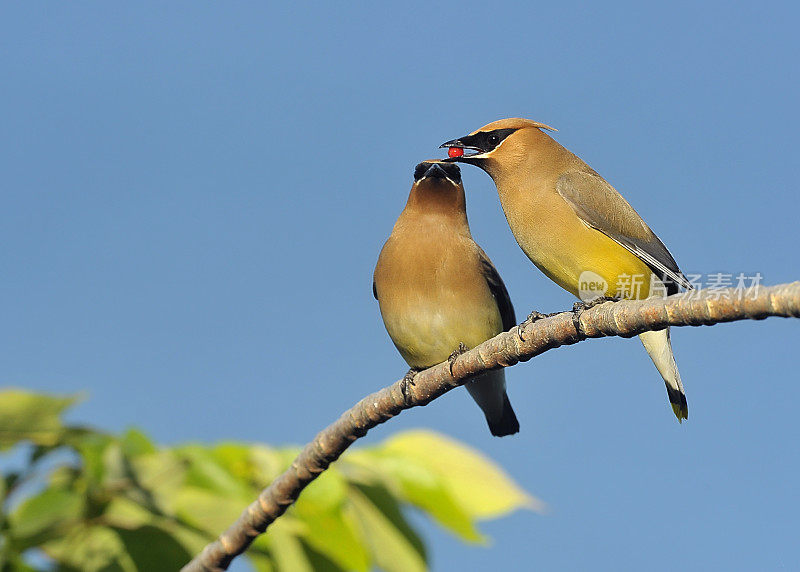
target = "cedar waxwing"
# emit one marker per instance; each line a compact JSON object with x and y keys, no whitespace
{"x":438,"y":290}
{"x":575,"y":227}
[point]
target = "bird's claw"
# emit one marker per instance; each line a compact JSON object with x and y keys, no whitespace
{"x":452,"y":359}
{"x":532,"y":318}
{"x":407,"y":383}
{"x":579,"y":307}
{"x":585,"y":305}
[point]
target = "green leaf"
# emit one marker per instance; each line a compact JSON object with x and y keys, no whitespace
{"x":332,"y":532}
{"x":207,"y":510}
{"x":252,"y":465}
{"x":152,"y":548}
{"x":261,"y":562}
{"x":158,"y":506}
{"x":160,"y":470}
{"x":15,"y":563}
{"x":286,"y":549}
{"x":320,"y":561}
{"x":90,"y":549}
{"x":426,"y":489}
{"x":135,"y":443}
{"x":394,"y":546}
{"x":267,"y":464}
{"x":162,"y":474}
{"x":91,"y":446}
{"x":40,"y":514}
{"x":122,"y":512}
{"x":204,"y":471}
{"x":27,"y":416}
{"x":480,"y":487}
{"x":326,"y":492}
{"x":192,"y":540}
{"x":116,"y":469}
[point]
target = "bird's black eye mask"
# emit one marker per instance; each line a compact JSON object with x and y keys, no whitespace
{"x":480,"y":142}
{"x":438,"y":170}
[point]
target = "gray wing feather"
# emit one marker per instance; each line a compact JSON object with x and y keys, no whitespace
{"x":601,"y":207}
{"x":498,"y":290}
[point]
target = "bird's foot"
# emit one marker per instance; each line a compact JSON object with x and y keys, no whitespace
{"x":407,"y":383}
{"x":452,"y":359}
{"x":579,"y":307}
{"x":585,"y":305}
{"x":532,"y":318}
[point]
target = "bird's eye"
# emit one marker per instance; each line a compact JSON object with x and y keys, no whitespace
{"x":494,"y":139}
{"x":453,"y":172}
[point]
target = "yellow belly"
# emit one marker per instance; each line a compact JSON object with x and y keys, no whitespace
{"x":433,"y":295}
{"x":578,"y":258}
{"x":426,"y":335}
{"x":597,"y":267}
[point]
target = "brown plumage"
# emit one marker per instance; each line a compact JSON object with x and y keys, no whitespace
{"x":572,"y":224}
{"x":437,"y":289}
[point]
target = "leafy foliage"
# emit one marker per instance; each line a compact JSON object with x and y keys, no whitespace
{"x":91,"y":501}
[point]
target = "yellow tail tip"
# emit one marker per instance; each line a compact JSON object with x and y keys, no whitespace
{"x":680,"y":411}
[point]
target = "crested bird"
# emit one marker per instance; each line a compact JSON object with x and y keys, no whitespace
{"x":575,"y":227}
{"x":439,"y":293}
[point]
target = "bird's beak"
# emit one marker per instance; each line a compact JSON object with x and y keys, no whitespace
{"x":435,"y":172}
{"x":462,"y":143}
{"x":438,"y":170}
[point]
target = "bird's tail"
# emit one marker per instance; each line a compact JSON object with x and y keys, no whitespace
{"x":489,"y":392}
{"x":659,"y":347}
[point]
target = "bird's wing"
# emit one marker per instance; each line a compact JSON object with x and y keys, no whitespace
{"x":498,"y":290}
{"x":374,"y":290}
{"x":601,"y":207}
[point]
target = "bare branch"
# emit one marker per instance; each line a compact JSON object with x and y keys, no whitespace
{"x":626,"y":318}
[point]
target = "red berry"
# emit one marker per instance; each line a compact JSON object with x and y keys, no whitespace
{"x":455,"y":152}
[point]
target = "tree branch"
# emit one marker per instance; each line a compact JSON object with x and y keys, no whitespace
{"x":626,"y":318}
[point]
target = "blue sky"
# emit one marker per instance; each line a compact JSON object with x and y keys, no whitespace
{"x":195,"y":194}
